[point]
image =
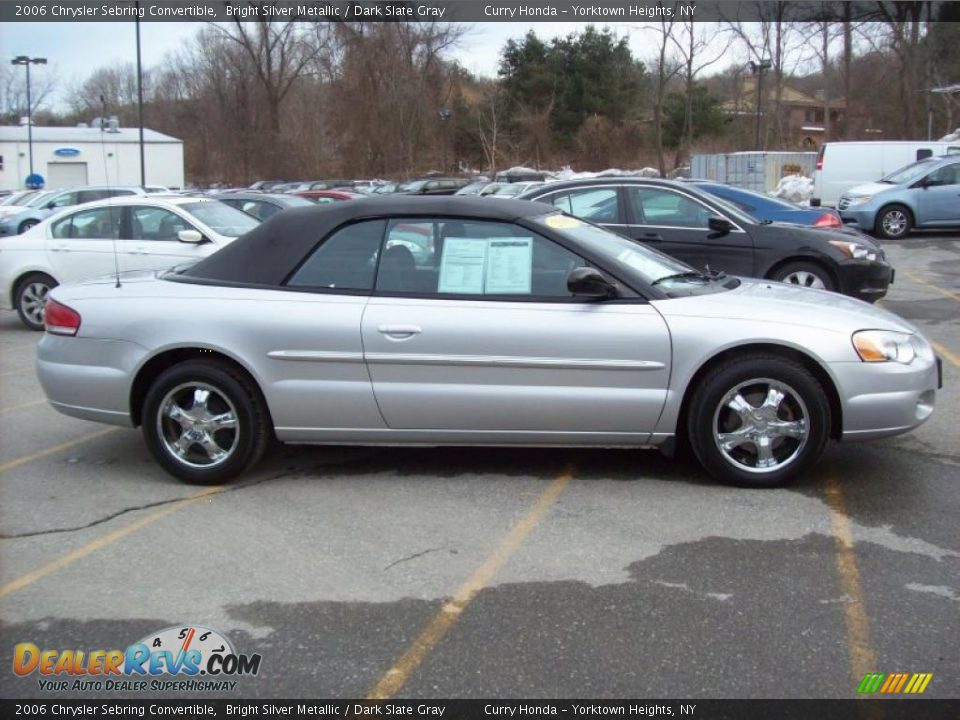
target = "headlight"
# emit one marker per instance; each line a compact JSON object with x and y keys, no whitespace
{"x":858,"y":199}
{"x":855,"y":250}
{"x":887,"y":346}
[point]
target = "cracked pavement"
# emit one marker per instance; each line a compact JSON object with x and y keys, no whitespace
{"x":642,"y":579}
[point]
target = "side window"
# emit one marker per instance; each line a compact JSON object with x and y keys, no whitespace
{"x":947,"y":175}
{"x":346,"y":260}
{"x":597,"y":205}
{"x":154,"y":223}
{"x":96,"y":224}
{"x":653,"y":206}
{"x":259,"y":210}
{"x":85,"y":196}
{"x":485,"y":259}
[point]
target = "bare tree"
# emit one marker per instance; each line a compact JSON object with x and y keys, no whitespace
{"x":667,"y":68}
{"x":13,"y":95}
{"x":693,"y":45}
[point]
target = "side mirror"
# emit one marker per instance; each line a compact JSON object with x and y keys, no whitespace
{"x":719,"y":224}
{"x":190,"y":236}
{"x":590,"y":282}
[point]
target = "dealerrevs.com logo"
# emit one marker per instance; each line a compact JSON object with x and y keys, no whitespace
{"x":196,"y":657}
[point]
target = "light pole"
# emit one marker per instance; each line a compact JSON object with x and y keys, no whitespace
{"x":27,"y":62}
{"x":757,"y":69}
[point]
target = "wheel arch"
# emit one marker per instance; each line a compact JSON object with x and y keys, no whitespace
{"x":14,"y":286}
{"x":810,"y":260}
{"x":152,"y":369}
{"x":891,"y":203}
{"x":807,"y":361}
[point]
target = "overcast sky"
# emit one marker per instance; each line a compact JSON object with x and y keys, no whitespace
{"x":74,"y":50}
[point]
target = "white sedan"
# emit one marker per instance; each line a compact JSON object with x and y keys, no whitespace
{"x":108,"y":236}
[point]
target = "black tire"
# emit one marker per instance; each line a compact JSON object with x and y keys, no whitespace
{"x":805,"y":274}
{"x":243,"y":444}
{"x":29,"y":297}
{"x":894,"y":222}
{"x":752,"y":378}
{"x":26,"y":225}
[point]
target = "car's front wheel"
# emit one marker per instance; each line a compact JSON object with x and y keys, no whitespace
{"x":30,"y":297}
{"x":894,"y":222}
{"x":205,"y":422}
{"x":805,"y":274}
{"x":758,"y":421}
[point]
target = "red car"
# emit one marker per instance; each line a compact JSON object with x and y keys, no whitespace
{"x":326,"y":196}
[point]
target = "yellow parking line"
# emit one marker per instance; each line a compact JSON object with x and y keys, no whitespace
{"x":862,"y":658}
{"x":17,"y":462}
{"x":398,"y":674}
{"x":921,"y":281}
{"x":943,"y":352}
{"x":22,"y":405}
{"x":104,"y":540}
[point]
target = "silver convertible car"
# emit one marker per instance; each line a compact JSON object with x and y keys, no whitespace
{"x":460,"y":321}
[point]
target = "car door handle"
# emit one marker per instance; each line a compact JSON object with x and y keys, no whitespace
{"x":138,"y":251}
{"x":399,"y":332}
{"x":60,"y":248}
{"x":651,"y":237}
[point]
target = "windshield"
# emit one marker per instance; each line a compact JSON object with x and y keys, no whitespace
{"x":632,"y":260}
{"x":415,"y":185}
{"x":18,"y":198}
{"x":220,"y":218}
{"x":909,"y":174}
{"x":511,"y":190}
{"x":39,"y":199}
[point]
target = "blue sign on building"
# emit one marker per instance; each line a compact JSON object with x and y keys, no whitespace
{"x":66,"y":152}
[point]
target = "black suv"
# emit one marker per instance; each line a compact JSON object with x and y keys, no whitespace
{"x":707,"y":232}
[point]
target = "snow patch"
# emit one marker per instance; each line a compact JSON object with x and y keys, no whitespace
{"x":794,"y":188}
{"x":951,"y":137}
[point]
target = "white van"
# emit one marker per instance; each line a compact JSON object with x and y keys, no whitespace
{"x":841,"y":165}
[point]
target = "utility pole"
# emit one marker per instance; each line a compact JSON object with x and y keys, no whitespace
{"x":758,"y":68}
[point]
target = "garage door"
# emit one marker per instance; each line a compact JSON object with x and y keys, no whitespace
{"x":66,"y":175}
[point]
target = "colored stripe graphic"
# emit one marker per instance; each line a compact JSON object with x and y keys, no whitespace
{"x":894,"y":683}
{"x":870,"y":683}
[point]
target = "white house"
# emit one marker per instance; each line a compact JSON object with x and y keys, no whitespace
{"x":74,"y":156}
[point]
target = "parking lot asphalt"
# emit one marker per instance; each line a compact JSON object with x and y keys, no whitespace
{"x":496,"y":573}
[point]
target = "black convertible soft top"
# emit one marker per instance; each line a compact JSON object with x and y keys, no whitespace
{"x":269,"y":253}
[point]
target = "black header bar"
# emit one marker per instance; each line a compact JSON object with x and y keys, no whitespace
{"x":598,"y":11}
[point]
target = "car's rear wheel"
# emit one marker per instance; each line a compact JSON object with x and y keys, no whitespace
{"x":894,"y":222}
{"x":805,"y":274}
{"x":30,"y":297}
{"x":205,"y":422}
{"x":758,"y":421}
{"x":26,"y":225}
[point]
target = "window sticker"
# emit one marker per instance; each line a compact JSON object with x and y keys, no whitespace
{"x":509,"y":266}
{"x":462,"y":266}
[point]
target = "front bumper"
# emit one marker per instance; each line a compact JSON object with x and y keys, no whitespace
{"x":862,"y":218}
{"x":865,"y":279}
{"x":882,"y":399}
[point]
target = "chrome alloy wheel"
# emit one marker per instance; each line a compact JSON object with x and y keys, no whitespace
{"x":32,"y":297}
{"x":198,"y":425}
{"x":894,"y":222}
{"x":804,"y":278}
{"x":761,"y":425}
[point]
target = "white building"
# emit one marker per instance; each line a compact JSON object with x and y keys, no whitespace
{"x":74,"y":156}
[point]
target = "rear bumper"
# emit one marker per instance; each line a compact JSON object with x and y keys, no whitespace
{"x":88,"y":379}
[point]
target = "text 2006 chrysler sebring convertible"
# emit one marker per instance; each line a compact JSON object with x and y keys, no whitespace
{"x":449,"y":321}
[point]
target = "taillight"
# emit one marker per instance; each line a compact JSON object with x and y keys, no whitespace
{"x":828,"y":220}
{"x":60,"y":319}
